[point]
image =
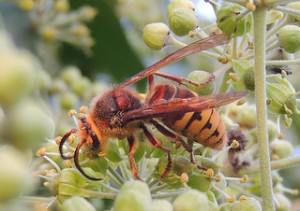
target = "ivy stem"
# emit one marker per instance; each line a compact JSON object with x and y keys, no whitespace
{"x":260,"y":15}
{"x":276,"y":164}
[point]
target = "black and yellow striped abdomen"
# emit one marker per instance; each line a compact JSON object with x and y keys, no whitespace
{"x":204,"y":127}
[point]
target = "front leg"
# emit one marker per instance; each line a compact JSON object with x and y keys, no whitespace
{"x":132,"y":149}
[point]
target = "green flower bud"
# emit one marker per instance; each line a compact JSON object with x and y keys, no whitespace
{"x":181,"y":165}
{"x":135,"y":196}
{"x":282,"y":97}
{"x":272,"y":130}
{"x":71,"y":182}
{"x":281,"y":148}
{"x":200,"y":182}
{"x":138,"y":186}
{"x":247,"y":116}
{"x":71,"y":74}
{"x":172,"y":179}
{"x":289,"y":38}
{"x":284,"y":204}
{"x":250,"y":204}
{"x":17,"y":75}
{"x":14,"y":172}
{"x":248,"y":79}
{"x":176,"y":4}
{"x":190,"y":201}
{"x":68,"y":100}
{"x":294,"y":5}
{"x":273,"y":16}
{"x":29,"y":125}
{"x":229,"y":22}
{"x":81,"y":86}
{"x":226,"y":207}
{"x":244,"y":75}
{"x":44,"y":80}
{"x":200,"y":76}
{"x":208,"y":163}
{"x":57,"y":86}
{"x":155,"y":35}
{"x":182,"y":21}
{"x":161,"y":205}
{"x":77,"y":203}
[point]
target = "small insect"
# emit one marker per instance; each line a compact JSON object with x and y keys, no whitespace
{"x":122,"y":113}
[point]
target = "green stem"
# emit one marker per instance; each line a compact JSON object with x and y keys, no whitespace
{"x":277,"y":164}
{"x":287,"y":10}
{"x":260,"y":96}
{"x":124,"y":171}
{"x":282,"y":62}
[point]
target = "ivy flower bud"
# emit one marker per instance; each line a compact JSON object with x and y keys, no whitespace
{"x":77,"y":203}
{"x":182,"y":21}
{"x":248,"y":204}
{"x":202,"y":77}
{"x":71,"y":182}
{"x":29,"y":124}
{"x":70,"y":74}
{"x":17,"y":75}
{"x":200,"y":182}
{"x":281,"y":148}
{"x":13,"y":170}
{"x":180,"y":4}
{"x":273,"y":16}
{"x":190,"y":201}
{"x":229,"y":22}
{"x":161,"y":205}
{"x":155,"y":35}
{"x":243,"y":77}
{"x":281,"y":97}
{"x":289,"y":38}
{"x":294,"y":5}
{"x":87,"y":13}
{"x":134,"y":195}
{"x":284,"y":204}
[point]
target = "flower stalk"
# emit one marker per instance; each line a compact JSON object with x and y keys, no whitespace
{"x":260,"y":95}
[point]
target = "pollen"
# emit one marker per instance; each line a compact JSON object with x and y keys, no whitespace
{"x":44,"y":172}
{"x":250,"y":5}
{"x":52,"y":171}
{"x":231,"y":199}
{"x":68,"y":164}
{"x":210,"y":173}
{"x":102,"y":154}
{"x":184,"y":177}
{"x":235,"y":144}
{"x":223,"y":60}
{"x":218,"y":178}
{"x":280,"y":136}
{"x":71,"y":139}
{"x":243,"y":198}
{"x":80,"y":115}
{"x":83,"y":109}
{"x":41,"y":152}
{"x":26,"y":4}
{"x":192,"y":34}
{"x":49,"y":34}
{"x":244,"y":179}
{"x":58,"y":139}
{"x":72,"y":112}
{"x":62,"y":6}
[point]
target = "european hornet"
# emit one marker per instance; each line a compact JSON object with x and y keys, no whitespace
{"x":121,"y":113}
